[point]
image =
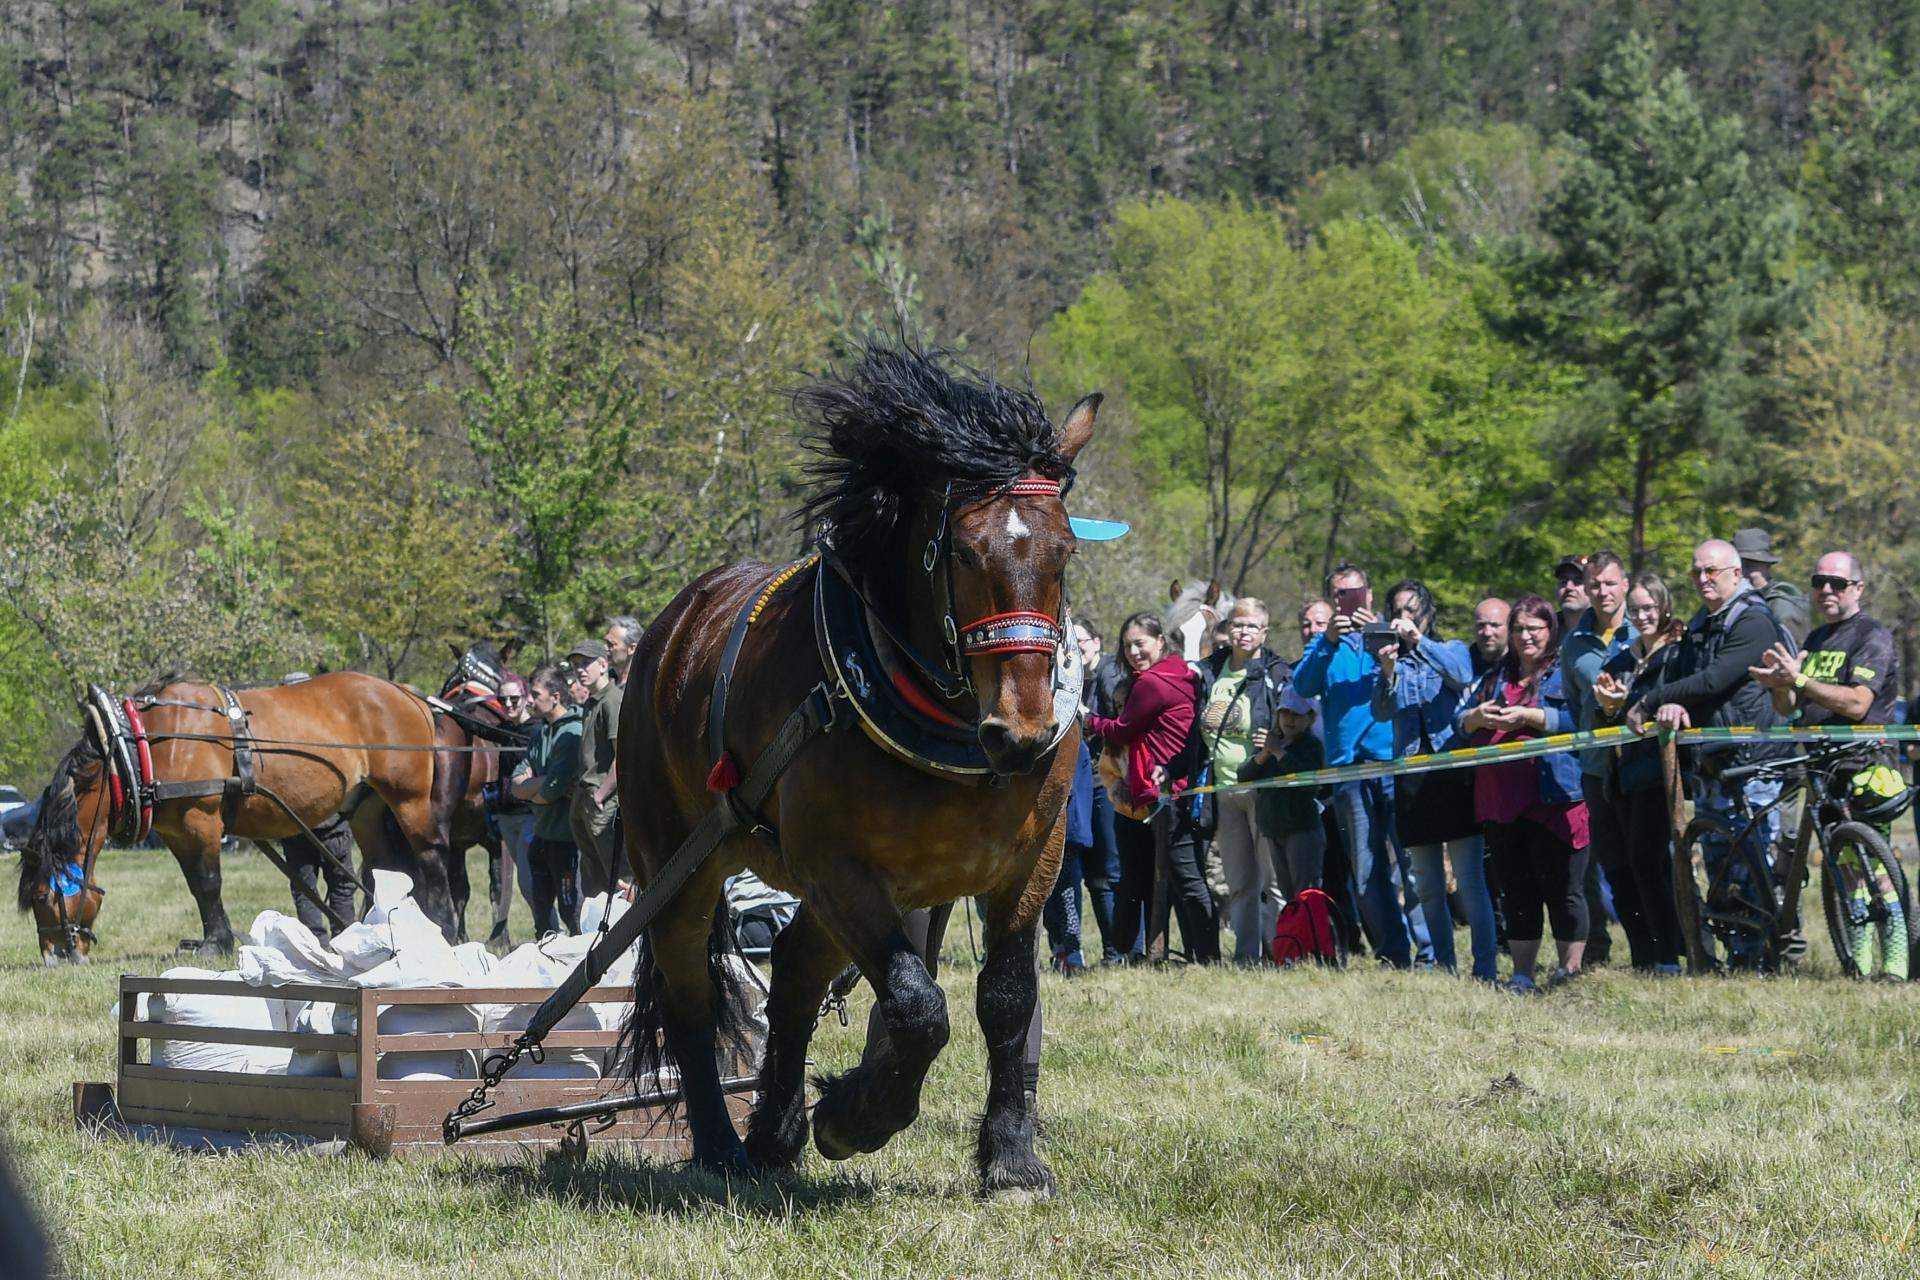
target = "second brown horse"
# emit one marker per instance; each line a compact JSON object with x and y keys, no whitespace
{"x":322,"y":746}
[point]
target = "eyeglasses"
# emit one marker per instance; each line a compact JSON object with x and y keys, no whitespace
{"x":1833,"y":582}
{"x":1711,"y":570}
{"x":510,"y":702}
{"x":1533,"y":628}
{"x":1246,"y":626}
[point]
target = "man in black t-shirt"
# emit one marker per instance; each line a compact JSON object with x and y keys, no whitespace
{"x":1848,"y":673}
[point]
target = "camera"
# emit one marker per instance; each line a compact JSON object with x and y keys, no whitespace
{"x":1376,"y":631}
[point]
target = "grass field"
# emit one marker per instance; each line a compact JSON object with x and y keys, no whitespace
{"x":1200,"y":1123}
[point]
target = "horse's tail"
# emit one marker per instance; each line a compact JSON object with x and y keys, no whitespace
{"x":30,"y":864}
{"x":643,"y":1051}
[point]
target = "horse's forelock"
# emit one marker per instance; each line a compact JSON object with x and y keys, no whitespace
{"x":901,"y":421}
{"x":56,"y":831}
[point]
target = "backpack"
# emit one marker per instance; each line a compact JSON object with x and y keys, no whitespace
{"x":1305,"y":931}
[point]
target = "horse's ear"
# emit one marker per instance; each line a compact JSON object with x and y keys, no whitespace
{"x":1078,"y":428}
{"x":1173,"y":590}
{"x":510,"y":647}
{"x":1213,"y":590}
{"x":457,"y":655}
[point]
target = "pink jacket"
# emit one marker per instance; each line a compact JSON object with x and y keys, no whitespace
{"x":1153,"y":724}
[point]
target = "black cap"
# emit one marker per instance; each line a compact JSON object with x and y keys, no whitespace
{"x":1755,"y":545}
{"x":1576,"y":563}
{"x":588,"y":649}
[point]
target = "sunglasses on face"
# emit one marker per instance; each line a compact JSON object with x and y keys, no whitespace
{"x":1833,"y":582}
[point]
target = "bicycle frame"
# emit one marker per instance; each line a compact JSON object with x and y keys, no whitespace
{"x":1797,"y":780}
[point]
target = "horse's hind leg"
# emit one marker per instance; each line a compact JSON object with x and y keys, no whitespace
{"x":198,"y":853}
{"x":686,"y":1004}
{"x":805,"y":961}
{"x":1008,"y":991}
{"x":861,"y":1110}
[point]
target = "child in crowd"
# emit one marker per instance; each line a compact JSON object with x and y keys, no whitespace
{"x":1289,"y":817}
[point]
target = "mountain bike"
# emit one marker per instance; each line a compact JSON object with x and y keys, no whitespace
{"x":1753,"y":908}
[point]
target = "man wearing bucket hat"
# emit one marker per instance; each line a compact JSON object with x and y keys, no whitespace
{"x":595,"y":807}
{"x":1788,"y":602}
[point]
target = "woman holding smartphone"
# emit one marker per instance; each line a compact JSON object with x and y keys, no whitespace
{"x":1533,"y":811}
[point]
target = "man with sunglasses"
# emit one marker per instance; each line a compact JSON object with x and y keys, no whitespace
{"x":1711,"y":685}
{"x":1849,"y":673}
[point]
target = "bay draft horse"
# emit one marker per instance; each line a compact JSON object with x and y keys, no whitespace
{"x":917,"y":492}
{"x":191,"y":740}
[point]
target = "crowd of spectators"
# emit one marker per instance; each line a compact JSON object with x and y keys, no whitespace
{"x":556,"y":806}
{"x":1560,"y":844}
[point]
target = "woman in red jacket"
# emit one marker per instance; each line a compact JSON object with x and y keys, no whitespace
{"x":1152,"y":729}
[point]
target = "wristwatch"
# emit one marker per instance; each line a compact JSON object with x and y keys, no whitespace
{"x":1799,"y":679}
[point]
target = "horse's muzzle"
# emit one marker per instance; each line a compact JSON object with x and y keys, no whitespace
{"x":1007,"y":752}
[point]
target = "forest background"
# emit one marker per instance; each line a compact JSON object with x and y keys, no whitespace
{"x":337,"y":330}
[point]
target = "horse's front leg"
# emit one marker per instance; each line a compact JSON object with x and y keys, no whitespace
{"x":862,"y":1109}
{"x":1005,"y":1000}
{"x":198,"y":853}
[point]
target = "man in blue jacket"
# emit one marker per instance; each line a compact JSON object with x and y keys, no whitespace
{"x":1337,"y":669}
{"x":1601,"y":632}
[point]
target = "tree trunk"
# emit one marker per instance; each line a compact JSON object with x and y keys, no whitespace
{"x":1642,"y":482}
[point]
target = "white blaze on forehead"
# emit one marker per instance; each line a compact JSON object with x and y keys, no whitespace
{"x":1016,"y":527}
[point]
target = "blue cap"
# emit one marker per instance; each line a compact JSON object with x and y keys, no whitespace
{"x":1088,"y":529}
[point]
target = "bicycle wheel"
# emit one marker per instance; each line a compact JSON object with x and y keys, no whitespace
{"x":1735,"y":894}
{"x":1873,"y":930}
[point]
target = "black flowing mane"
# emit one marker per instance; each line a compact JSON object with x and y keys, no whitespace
{"x":58,"y":826}
{"x":903,"y":420}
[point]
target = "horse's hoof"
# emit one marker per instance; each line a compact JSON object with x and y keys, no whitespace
{"x":731,"y":1164}
{"x":1028,"y":1182}
{"x":829,"y":1145}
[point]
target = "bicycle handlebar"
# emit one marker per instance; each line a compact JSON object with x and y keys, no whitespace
{"x":1818,"y":753}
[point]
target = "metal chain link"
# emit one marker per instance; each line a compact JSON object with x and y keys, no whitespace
{"x":492,"y":1072}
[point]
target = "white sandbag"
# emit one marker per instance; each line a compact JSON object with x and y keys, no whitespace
{"x":530,"y":966}
{"x":265,"y":967}
{"x":243,"y":1013}
{"x":361,"y":947}
{"x":475,"y":961}
{"x":316,"y":1019}
{"x":394,"y":923}
{"x":303,"y":953}
{"x":416,"y":968}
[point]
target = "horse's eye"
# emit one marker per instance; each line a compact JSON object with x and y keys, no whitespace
{"x":967,"y":557}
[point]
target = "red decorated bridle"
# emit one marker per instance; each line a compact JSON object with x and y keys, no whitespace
{"x":1019,"y":631}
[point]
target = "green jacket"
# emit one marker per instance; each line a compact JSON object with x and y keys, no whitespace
{"x":555,"y":756}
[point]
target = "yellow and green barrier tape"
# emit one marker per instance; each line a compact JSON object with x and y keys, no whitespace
{"x":1528,"y":748}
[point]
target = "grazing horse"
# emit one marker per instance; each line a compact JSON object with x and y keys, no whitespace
{"x":944,"y":533}
{"x":315,"y":745}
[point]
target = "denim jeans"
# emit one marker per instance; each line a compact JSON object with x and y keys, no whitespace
{"x":1365,"y":810}
{"x":1470,"y":873}
{"x":1100,"y":866}
{"x":1711,"y":796}
{"x":1061,"y":915}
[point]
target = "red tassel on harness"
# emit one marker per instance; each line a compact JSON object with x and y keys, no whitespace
{"x":725,"y":775}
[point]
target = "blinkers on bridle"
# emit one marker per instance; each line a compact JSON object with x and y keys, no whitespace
{"x":1019,"y":631}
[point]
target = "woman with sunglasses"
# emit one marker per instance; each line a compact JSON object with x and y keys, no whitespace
{"x":1533,"y":810}
{"x":1633,"y":783}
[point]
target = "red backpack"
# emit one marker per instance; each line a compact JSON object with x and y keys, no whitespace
{"x":1305,"y":931}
